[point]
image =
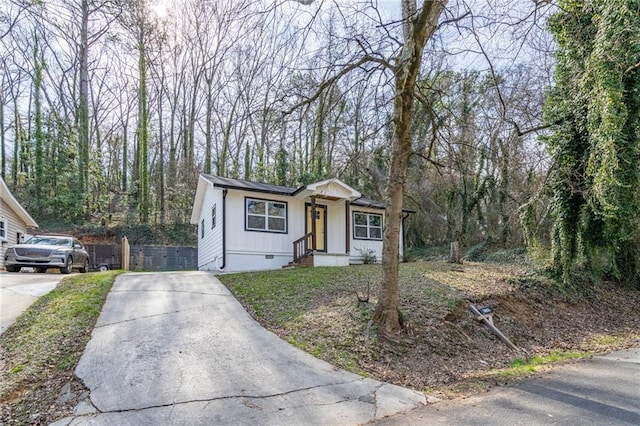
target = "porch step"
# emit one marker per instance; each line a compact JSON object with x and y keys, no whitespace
{"x":305,"y":262}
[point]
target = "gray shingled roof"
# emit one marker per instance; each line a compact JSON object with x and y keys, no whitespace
{"x":267,"y":188}
{"x":368,"y":202}
{"x":223,"y":182}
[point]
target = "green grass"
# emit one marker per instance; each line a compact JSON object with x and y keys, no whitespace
{"x":521,"y":367}
{"x":278,"y":297}
{"x":615,"y":340}
{"x":49,"y":337}
{"x":305,"y":305}
{"x":316,"y":309}
{"x":281,"y":296}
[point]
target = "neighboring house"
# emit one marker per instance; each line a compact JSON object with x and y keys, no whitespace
{"x":246,"y":225}
{"x":14,"y":220}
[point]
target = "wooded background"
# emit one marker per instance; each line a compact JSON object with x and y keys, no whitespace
{"x":109,"y":109}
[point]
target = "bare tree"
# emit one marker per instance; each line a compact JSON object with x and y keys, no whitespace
{"x":417,"y":27}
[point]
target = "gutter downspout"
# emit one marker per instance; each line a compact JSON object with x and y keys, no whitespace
{"x":224,"y":229}
{"x":404,"y":232}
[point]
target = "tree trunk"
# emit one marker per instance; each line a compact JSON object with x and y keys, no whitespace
{"x":454,"y":253}
{"x":38,"y":63}
{"x":16,"y":149}
{"x":3,"y":153}
{"x":143,"y":129}
{"x":83,"y":107}
{"x":417,"y":29}
{"x":161,"y":172}
{"x":207,"y":134}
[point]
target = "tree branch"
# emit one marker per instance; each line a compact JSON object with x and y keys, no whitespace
{"x":632,"y":67}
{"x":428,"y":159}
{"x":331,"y":81}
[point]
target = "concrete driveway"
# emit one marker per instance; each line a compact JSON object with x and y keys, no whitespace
{"x":178,"y":349}
{"x":19,"y":290}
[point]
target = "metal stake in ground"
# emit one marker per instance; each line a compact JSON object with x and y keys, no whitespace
{"x":486,"y":316}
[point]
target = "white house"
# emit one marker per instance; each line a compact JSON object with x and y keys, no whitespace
{"x":246,"y":225}
{"x":14,"y":220}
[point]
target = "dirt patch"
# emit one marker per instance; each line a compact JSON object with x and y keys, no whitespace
{"x":459,"y":354}
{"x":444,"y":349}
{"x":51,"y":399}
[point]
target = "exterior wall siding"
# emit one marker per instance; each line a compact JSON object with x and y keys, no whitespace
{"x":248,"y":250}
{"x":358,"y":246}
{"x":15,"y":225}
{"x":240,"y":240}
{"x":210,"y":246}
{"x":337,"y":241}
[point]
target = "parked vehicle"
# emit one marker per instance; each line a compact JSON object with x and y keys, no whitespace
{"x":44,"y":252}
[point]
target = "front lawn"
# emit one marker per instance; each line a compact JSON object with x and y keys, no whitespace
{"x":40,"y":351}
{"x":443,"y":349}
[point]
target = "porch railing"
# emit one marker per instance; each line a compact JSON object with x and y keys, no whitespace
{"x":302,"y":247}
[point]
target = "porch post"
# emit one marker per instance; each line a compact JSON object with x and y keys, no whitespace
{"x":313,"y":222}
{"x":347,"y":232}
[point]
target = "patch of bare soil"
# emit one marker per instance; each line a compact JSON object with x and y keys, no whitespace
{"x":456,"y":355}
{"x":444,"y":349}
{"x":52,"y":398}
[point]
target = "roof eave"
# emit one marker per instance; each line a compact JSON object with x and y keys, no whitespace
{"x":16,"y":206}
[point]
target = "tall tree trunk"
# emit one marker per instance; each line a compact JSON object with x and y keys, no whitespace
{"x":3,"y":153}
{"x":38,"y":132}
{"x":143,"y":131}
{"x":125,"y":158}
{"x":417,"y":29}
{"x":161,"y":178}
{"x":83,"y":106}
{"x":208,"y":129}
{"x":16,"y":149}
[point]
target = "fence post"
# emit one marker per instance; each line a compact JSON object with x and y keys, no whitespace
{"x":125,"y":253}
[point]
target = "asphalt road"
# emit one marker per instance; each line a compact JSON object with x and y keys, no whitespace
{"x":178,"y":349}
{"x":603,"y":390}
{"x":19,"y":290}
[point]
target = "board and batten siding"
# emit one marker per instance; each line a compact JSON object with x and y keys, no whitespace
{"x":210,"y":256}
{"x":15,"y":226}
{"x":258,"y":250}
{"x":250,"y":250}
{"x":358,"y":246}
{"x":336,"y":241}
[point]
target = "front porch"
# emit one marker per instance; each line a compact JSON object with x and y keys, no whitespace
{"x":304,"y":255}
{"x":318,"y":246}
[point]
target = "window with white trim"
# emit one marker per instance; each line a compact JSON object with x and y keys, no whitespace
{"x":265,"y":215}
{"x":367,"y":226}
{"x":213,"y":216}
{"x":3,"y":229}
{"x":202,"y":228}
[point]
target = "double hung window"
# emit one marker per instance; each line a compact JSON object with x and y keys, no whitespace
{"x":367,"y":226}
{"x":265,"y":215}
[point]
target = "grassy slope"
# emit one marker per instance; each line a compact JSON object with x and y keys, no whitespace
{"x":444,"y":347}
{"x":40,"y":351}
